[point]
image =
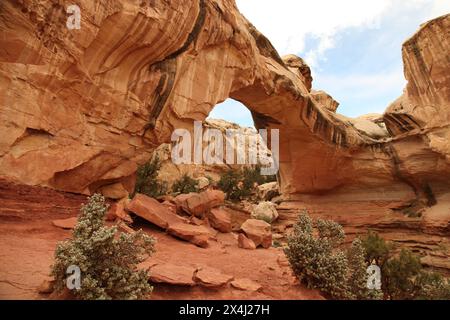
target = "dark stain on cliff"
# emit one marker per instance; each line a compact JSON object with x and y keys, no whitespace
{"x":168,"y":70}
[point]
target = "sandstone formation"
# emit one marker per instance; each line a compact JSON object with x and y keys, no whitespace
{"x":199,"y":204}
{"x":265,"y":211}
{"x":63,"y":90}
{"x":245,"y":284}
{"x":268,"y":191}
{"x":211,"y":277}
{"x":68,"y":223}
{"x":172,"y":274}
{"x":153,"y":211}
{"x":81,"y":109}
{"x":245,"y":243}
{"x":198,"y":235}
{"x":258,"y":231}
{"x":220,"y":219}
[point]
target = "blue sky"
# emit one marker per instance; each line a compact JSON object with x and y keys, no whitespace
{"x":352,"y":46}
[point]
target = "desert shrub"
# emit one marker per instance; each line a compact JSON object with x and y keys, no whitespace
{"x":357,"y":280}
{"x":239,"y":184}
{"x":398,"y":275}
{"x":147,"y":179}
{"x":403,"y":277}
{"x":185,"y":185}
{"x":108,"y":262}
{"x":315,"y":260}
{"x":376,"y":248}
{"x":431,"y":286}
{"x":231,"y":183}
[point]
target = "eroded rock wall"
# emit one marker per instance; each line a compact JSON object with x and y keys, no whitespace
{"x":80,"y":109}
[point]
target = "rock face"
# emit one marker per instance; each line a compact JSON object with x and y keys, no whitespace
{"x":245,"y":243}
{"x":220,"y":220}
{"x":265,"y":211}
{"x":258,"y":231}
{"x":268,"y":191}
{"x":153,"y":211}
{"x":63,"y":91}
{"x":199,"y":204}
{"x":95,"y":102}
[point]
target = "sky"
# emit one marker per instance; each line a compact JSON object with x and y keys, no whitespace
{"x":352,"y":46}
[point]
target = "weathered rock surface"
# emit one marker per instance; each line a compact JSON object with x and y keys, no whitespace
{"x":172,"y":274}
{"x":265,"y":211}
{"x":197,"y":235}
{"x":258,"y":231}
{"x":153,"y":211}
{"x":268,"y":191}
{"x":246,"y":284}
{"x":62,"y":91}
{"x":220,"y":219}
{"x":68,"y":223}
{"x":117,"y":211}
{"x":245,"y":243}
{"x":211,"y":277}
{"x":199,"y":204}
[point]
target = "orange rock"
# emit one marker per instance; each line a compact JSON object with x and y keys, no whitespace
{"x":65,"y":223}
{"x":198,"y":204}
{"x":153,"y":211}
{"x":245,"y":243}
{"x":259,"y":231}
{"x":246,"y":284}
{"x":172,"y":274}
{"x":220,"y":220}
{"x":117,"y":211}
{"x":211,"y":277}
{"x":197,"y":235}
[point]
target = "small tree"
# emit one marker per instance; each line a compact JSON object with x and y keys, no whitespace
{"x":399,"y":274}
{"x":315,"y":260}
{"x":108,"y":262}
{"x":147,"y":179}
{"x":376,"y":248}
{"x":185,"y":185}
{"x":358,"y":276}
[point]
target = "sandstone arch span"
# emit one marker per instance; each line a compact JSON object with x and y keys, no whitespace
{"x":93,"y":103}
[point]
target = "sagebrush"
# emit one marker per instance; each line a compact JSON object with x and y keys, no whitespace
{"x":107,"y":260}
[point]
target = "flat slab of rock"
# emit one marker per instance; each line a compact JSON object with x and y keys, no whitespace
{"x":65,"y":223}
{"x":153,"y":211}
{"x":220,"y":220}
{"x":245,"y":243}
{"x":172,"y":274}
{"x":211,"y":277}
{"x":117,"y":211}
{"x":197,"y":235}
{"x":198,"y":204}
{"x":246,"y":284}
{"x":259,"y":231}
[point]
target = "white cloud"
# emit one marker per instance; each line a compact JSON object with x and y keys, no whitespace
{"x":287,"y":23}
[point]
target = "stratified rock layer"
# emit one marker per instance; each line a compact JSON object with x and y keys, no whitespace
{"x":80,"y":109}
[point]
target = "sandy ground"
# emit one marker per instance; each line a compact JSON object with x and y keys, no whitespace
{"x":28,"y":240}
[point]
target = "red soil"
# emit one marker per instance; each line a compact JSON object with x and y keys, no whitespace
{"x":28,"y":240}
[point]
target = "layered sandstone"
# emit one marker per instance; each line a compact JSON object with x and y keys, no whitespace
{"x":80,"y":109}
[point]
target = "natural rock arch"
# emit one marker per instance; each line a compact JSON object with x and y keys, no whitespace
{"x":95,"y":102}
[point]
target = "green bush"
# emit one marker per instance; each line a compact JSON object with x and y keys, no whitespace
{"x":376,"y":248}
{"x":403,"y":277}
{"x":239,"y":184}
{"x":108,"y":262}
{"x":316,"y":261}
{"x":357,"y":281}
{"x":185,"y":185}
{"x":147,"y":179}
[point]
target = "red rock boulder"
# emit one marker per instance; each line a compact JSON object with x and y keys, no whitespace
{"x":259,"y":231}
